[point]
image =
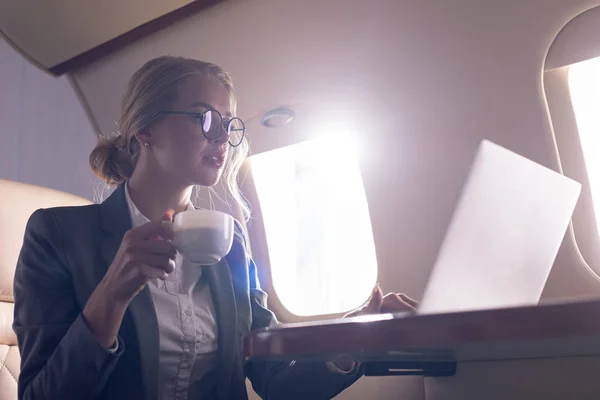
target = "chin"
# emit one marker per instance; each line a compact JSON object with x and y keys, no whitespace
{"x":207,"y":178}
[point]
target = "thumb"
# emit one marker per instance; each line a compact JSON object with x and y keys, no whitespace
{"x":168,"y":215}
{"x":374,"y":305}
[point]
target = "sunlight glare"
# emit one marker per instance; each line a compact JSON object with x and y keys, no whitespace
{"x":584,"y":85}
{"x":317,"y":223}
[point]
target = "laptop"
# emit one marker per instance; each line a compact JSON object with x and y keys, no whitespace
{"x":504,"y":235}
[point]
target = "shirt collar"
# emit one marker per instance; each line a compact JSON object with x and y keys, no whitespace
{"x":137,"y":218}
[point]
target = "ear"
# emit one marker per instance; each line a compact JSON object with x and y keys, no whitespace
{"x":143,"y":137}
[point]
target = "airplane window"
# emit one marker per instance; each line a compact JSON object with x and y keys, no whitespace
{"x":318,"y":230}
{"x":584,"y":86}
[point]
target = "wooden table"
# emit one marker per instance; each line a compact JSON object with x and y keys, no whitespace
{"x":431,"y":345}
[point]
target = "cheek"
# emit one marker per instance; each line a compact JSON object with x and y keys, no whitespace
{"x":189,"y":150}
{"x":182,"y":146}
{"x":191,"y":144}
{"x":187,"y":138}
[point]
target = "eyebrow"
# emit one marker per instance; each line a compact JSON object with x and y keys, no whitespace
{"x":209,"y":106}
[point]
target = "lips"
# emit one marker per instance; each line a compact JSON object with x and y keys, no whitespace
{"x":215,"y":160}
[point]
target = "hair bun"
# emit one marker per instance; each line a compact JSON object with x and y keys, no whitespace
{"x":111,"y":161}
{"x":120,"y":142}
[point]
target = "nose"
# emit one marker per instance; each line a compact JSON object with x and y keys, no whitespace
{"x":223,"y":136}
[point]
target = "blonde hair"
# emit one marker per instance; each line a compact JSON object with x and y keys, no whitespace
{"x":151,"y":89}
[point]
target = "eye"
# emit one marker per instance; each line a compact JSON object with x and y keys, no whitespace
{"x":198,"y":118}
{"x":207,"y":119}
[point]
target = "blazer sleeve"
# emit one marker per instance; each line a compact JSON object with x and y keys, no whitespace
{"x":275,"y":380}
{"x":60,"y":357}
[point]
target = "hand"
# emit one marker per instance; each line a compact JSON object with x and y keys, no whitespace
{"x":377,"y":304}
{"x":145,"y":253}
{"x":390,"y":303}
{"x":142,"y":256}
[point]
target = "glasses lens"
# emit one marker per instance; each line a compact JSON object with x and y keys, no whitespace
{"x":236,"y":130}
{"x":211,"y":124}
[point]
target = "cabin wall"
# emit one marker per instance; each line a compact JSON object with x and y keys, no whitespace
{"x":437,"y":76}
{"x":430,"y":79}
{"x":434,"y":78}
{"x":45,"y":136}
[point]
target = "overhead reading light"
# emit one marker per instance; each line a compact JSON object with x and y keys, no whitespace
{"x":278,"y":117}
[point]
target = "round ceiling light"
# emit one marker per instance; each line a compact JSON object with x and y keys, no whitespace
{"x":278,"y":117}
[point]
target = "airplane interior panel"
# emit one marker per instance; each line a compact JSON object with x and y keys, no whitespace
{"x":360,"y":121}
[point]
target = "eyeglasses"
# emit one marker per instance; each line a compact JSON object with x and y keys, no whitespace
{"x":212,"y":122}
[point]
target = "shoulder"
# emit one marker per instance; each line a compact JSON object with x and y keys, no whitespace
{"x":48,"y":232}
{"x":61,"y":218}
{"x":71,"y":213}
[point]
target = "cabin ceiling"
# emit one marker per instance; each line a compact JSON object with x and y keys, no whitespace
{"x":51,"y":33}
{"x":314,"y":56}
{"x":337,"y":63}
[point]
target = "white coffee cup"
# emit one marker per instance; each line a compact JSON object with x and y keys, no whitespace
{"x":203,"y":236}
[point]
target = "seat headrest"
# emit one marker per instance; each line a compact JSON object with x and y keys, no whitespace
{"x":17,"y":202}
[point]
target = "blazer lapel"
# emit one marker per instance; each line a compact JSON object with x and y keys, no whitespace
{"x":221,"y":286}
{"x":115,"y":221}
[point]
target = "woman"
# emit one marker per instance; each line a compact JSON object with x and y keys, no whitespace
{"x":106,"y":308}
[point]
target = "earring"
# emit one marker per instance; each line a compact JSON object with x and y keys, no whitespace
{"x":146,"y":144}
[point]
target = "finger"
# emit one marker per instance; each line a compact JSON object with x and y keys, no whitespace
{"x":161,"y":247}
{"x":409,"y":300}
{"x":374,"y":305}
{"x":168,"y":215}
{"x":158,"y":262}
{"x":394,"y":303}
{"x":150,"y":272}
{"x":370,"y":297}
{"x":164,"y":229}
{"x":167,"y":218}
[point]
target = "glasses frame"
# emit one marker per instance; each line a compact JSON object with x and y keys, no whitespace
{"x":225,"y":123}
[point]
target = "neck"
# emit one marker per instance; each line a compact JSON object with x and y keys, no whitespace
{"x":153,"y":194}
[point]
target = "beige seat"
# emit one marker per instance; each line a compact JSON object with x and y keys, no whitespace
{"x":17,"y":202}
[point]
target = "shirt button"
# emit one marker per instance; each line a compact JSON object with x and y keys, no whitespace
{"x":188,"y":312}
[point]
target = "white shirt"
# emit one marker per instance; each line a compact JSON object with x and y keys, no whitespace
{"x":186,"y":323}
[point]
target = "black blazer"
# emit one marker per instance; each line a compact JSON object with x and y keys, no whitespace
{"x":66,"y":252}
